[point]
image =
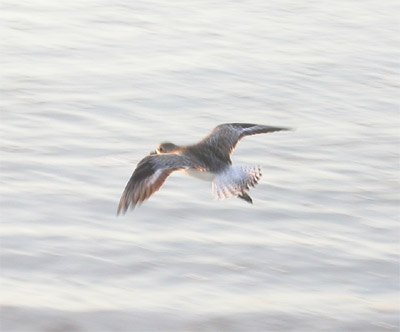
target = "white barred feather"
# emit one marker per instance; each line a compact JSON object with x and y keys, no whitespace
{"x":235,"y":180}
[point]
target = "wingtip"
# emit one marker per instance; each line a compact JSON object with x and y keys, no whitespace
{"x":119,"y":211}
{"x":122,"y":208}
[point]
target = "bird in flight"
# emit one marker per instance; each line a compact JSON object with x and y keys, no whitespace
{"x":208,"y":160}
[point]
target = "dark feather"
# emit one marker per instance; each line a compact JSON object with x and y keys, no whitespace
{"x":148,"y":177}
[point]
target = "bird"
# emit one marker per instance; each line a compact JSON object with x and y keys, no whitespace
{"x":207,"y":160}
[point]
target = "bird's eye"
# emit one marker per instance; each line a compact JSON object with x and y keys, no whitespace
{"x":160,"y":149}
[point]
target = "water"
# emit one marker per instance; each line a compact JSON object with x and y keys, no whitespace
{"x":89,"y":88}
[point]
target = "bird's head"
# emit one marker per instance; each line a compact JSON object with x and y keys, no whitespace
{"x":166,"y":147}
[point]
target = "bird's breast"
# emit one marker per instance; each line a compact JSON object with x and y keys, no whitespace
{"x":202,"y":175}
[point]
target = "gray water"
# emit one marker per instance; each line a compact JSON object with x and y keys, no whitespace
{"x":88,"y":88}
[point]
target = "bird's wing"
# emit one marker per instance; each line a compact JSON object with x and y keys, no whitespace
{"x":225,"y":136}
{"x":148,"y":177}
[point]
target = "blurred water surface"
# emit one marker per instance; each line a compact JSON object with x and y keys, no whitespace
{"x":90,"y":87}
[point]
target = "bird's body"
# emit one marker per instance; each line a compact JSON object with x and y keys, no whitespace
{"x":208,"y":160}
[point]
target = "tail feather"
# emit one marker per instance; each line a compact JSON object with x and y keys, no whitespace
{"x":235,"y":181}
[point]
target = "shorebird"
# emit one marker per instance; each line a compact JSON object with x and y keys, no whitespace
{"x":208,"y":160}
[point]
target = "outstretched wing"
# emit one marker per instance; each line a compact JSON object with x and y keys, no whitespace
{"x":225,"y":136}
{"x":148,"y":177}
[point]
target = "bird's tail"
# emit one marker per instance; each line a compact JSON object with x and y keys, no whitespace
{"x":235,"y":181}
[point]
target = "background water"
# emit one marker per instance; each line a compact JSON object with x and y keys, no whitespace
{"x":90,"y":87}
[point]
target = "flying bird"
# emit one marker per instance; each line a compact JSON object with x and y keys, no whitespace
{"x":208,"y":160}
